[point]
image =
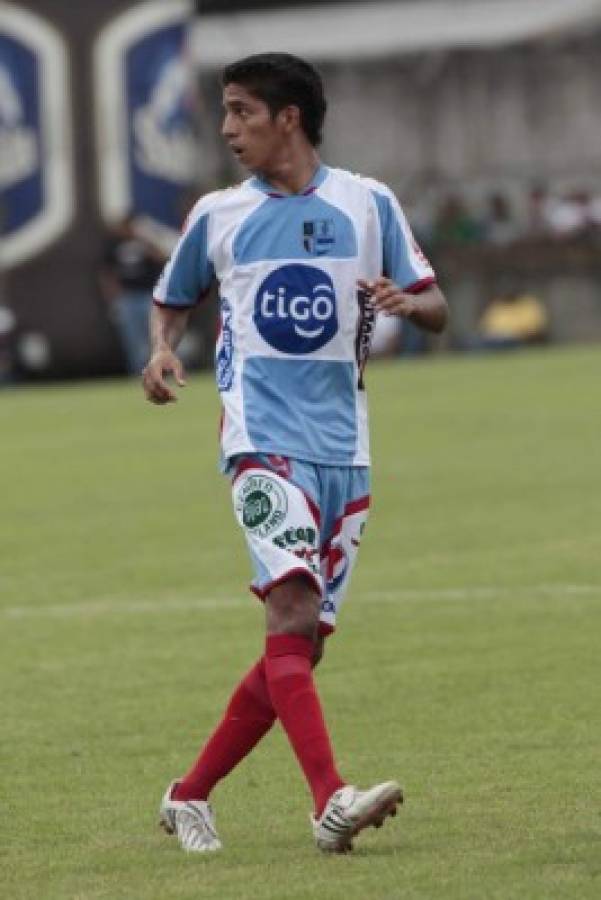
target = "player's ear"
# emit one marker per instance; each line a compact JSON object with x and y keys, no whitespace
{"x":289,"y":118}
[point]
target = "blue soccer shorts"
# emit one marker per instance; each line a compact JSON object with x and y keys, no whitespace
{"x":300,"y":518}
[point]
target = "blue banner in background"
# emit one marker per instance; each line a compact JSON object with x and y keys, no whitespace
{"x":20,"y":136}
{"x":162,"y":144}
{"x":36,"y":164}
{"x":145,"y":122}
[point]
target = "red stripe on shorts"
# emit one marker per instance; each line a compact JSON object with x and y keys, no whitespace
{"x":350,"y":509}
{"x":291,"y":573}
{"x":245,"y":464}
{"x":356,"y":506}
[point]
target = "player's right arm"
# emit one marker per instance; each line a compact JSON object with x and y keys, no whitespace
{"x":185,"y":279}
{"x":167,"y":325}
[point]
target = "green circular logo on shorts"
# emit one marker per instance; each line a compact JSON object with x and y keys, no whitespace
{"x":260,"y":502}
{"x":256,"y":509}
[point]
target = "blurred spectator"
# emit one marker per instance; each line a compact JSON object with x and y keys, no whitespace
{"x":539,"y":211}
{"x":499,"y":226}
{"x":132,"y":263}
{"x":7,"y":335}
{"x":413,"y":340}
{"x":570,"y":217}
{"x":34,"y":353}
{"x":454,"y":224}
{"x":595,"y":212}
{"x":513,"y":319}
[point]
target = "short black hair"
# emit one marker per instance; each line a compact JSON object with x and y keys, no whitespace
{"x":280,"y":80}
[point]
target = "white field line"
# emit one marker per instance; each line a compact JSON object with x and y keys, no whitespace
{"x":206,"y":604}
{"x":484,"y":592}
{"x":116,"y":606}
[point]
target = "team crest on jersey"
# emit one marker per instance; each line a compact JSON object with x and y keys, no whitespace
{"x":295,"y":309}
{"x":261,"y":504}
{"x":318,"y":236}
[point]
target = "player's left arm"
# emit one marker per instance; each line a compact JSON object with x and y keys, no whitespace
{"x":428,"y":309}
{"x":407,"y":284}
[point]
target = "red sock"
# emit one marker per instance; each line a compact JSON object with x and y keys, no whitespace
{"x":248,"y":717}
{"x":294,"y":698}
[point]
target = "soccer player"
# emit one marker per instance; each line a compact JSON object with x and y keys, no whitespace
{"x":305,"y":257}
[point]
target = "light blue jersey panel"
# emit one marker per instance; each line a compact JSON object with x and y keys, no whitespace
{"x":396,"y":259}
{"x":189,"y":272}
{"x":305,"y":406}
{"x":288,"y":266}
{"x":299,"y":228}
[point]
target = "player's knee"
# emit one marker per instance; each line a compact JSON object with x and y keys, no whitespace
{"x":293,"y":608}
{"x":318,"y":649}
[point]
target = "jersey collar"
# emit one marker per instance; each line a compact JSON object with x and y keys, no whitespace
{"x":321,"y":173}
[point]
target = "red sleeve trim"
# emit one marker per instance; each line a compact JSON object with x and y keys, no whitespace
{"x":166,"y":305}
{"x":420,"y":286}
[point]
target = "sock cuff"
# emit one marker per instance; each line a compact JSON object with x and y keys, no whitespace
{"x":288,"y":645}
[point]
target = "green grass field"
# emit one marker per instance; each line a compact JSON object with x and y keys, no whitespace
{"x":467,"y":662}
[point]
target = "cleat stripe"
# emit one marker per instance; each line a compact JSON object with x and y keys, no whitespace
{"x":335,"y":829}
{"x":336,"y":817}
{"x":198,"y":814}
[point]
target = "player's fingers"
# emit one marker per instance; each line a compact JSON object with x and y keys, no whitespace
{"x":390,"y":305}
{"x":365,"y":285}
{"x":385,"y":296}
{"x":383,"y":282}
{"x":404,"y":308}
{"x":157,"y":395}
{"x":156,"y":390}
{"x":162,"y":394}
{"x":394,"y":308}
{"x":150,"y":378}
{"x":178,"y":372}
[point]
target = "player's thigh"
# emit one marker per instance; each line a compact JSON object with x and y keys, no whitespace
{"x":280,"y":525}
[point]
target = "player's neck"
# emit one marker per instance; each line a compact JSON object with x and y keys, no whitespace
{"x":292,"y":174}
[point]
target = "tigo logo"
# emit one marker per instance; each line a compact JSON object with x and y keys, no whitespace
{"x":295,"y":309}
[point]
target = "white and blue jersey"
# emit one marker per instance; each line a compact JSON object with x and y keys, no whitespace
{"x":287,"y":267}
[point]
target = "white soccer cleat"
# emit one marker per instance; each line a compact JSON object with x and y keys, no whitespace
{"x":349,"y":811}
{"x":192,"y":820}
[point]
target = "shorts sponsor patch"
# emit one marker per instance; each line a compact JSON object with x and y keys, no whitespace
{"x":302,"y":541}
{"x":293,"y":536}
{"x":261,"y":504}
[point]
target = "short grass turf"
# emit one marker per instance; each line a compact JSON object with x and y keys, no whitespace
{"x":467,"y":662}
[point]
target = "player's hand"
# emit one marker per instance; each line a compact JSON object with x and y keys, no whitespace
{"x":162,"y":363}
{"x":389,"y":298}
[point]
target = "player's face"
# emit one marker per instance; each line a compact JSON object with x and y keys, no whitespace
{"x":255,"y":138}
